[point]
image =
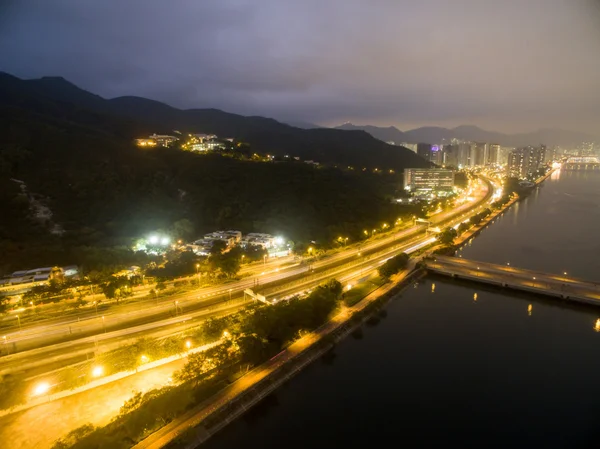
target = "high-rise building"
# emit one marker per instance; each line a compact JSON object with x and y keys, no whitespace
{"x":464,"y":154}
{"x":428,"y":179}
{"x":524,"y":161}
{"x":493,"y":154}
{"x":478,"y":154}
{"x":450,"y":155}
{"x":504,"y":152}
{"x":424,"y":150}
{"x":410,"y":146}
{"x":436,"y":155}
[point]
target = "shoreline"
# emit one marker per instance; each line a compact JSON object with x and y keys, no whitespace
{"x":203,"y":421}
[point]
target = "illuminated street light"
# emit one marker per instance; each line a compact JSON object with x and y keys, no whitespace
{"x":188,"y":344}
{"x":144,"y":358}
{"x":165,"y":241}
{"x":41,"y":388}
{"x":226,"y":334}
{"x":153,"y":239}
{"x":97,"y":371}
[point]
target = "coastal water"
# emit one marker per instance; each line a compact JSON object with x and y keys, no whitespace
{"x":446,"y":368}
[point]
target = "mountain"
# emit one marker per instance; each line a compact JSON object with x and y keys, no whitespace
{"x":434,"y":134}
{"x":300,"y":124}
{"x":391,"y":133}
{"x":74,"y":152}
{"x":266,"y":135}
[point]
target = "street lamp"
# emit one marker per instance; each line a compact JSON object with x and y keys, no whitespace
{"x":96,"y":306}
{"x":198,"y":273}
{"x":176,"y":307}
{"x":264,"y":259}
{"x":19,"y":320}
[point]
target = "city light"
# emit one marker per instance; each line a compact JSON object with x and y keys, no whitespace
{"x":188,"y":344}
{"x":97,"y":371}
{"x":41,"y":388}
{"x":597,"y":325}
{"x":153,"y":239}
{"x":279,"y":241}
{"x":226,"y":334}
{"x":144,"y":358}
{"x":165,"y":241}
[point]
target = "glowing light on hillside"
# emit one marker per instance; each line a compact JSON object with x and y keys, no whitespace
{"x":97,"y":371}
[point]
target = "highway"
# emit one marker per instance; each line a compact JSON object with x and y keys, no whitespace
{"x":562,"y":286}
{"x":55,"y":344}
{"x":89,"y":403}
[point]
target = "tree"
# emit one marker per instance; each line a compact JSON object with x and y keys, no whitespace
{"x":183,"y":229}
{"x":447,"y":236}
{"x":228,"y":263}
{"x":254,"y":349}
{"x":393,"y":265}
{"x":462,"y":228}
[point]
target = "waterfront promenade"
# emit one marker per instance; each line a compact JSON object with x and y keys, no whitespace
{"x":556,"y":285}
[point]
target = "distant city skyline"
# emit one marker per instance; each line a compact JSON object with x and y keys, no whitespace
{"x":511,"y":66}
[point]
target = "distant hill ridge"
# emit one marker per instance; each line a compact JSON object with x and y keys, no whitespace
{"x":434,"y":134}
{"x":130,"y":117}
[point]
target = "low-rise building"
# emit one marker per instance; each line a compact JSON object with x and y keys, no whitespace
{"x":163,"y":140}
{"x":257,"y":239}
{"x":420,"y":180}
{"x":145,"y":142}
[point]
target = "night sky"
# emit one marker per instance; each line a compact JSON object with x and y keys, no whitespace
{"x":506,"y":65}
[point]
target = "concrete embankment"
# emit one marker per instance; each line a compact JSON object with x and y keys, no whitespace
{"x":214,"y":414}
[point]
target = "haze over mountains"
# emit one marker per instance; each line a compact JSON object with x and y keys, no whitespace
{"x":434,"y":134}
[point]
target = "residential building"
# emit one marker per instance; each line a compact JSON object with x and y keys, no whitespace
{"x":424,"y":150}
{"x":464,"y":154}
{"x":257,"y":239}
{"x":478,"y":154}
{"x":428,"y":179}
{"x":163,"y":140}
{"x":450,"y":155}
{"x":493,"y":156}
{"x":411,"y":146}
{"x":524,"y":161}
{"x":436,"y":155}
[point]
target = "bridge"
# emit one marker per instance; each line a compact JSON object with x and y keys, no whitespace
{"x":560,"y":286}
{"x":581,"y":163}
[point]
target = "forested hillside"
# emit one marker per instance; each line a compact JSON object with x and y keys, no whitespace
{"x":104,"y":192}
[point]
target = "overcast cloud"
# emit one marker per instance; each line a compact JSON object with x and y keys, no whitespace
{"x":510,"y":65}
